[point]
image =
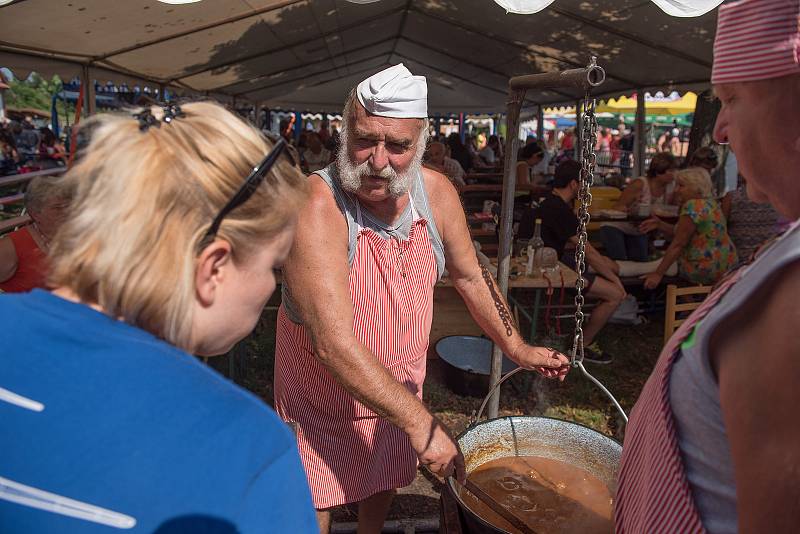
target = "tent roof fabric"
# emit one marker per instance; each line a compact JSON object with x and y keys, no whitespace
{"x":654,"y":106}
{"x":307,"y":54}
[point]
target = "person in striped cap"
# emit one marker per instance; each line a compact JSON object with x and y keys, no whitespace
{"x":357,"y":306}
{"x":713,"y":443}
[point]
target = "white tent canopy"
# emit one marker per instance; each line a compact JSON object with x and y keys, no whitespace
{"x":306,"y":54}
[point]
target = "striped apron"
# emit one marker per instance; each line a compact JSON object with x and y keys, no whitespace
{"x":348,"y":451}
{"x":654,"y":493}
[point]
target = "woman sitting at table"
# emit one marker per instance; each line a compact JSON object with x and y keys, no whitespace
{"x":700,"y":241}
{"x":623,"y":240}
{"x":750,"y":224}
{"x":168,"y":252}
{"x":527,"y":158}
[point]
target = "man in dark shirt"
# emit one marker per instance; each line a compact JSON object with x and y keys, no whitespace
{"x":559,"y":226}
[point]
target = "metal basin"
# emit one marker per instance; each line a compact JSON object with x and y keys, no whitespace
{"x":535,"y":436}
{"x":468,"y":361}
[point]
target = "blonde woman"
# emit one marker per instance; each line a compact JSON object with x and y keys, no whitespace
{"x":168,"y":251}
{"x":700,"y":241}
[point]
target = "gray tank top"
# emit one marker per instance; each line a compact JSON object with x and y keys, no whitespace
{"x":350,"y":208}
{"x":694,"y":394}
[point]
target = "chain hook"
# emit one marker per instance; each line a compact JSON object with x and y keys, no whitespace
{"x":587,"y":162}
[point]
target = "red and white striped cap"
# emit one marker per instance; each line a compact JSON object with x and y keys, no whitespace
{"x":756,"y":40}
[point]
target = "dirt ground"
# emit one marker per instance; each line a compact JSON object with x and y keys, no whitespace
{"x":635,"y":349}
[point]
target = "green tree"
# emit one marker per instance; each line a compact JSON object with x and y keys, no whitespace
{"x":37,"y":93}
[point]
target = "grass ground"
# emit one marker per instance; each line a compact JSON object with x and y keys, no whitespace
{"x":635,"y":349}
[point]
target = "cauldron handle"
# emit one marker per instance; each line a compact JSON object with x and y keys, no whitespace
{"x":505,"y":377}
{"x":578,"y":364}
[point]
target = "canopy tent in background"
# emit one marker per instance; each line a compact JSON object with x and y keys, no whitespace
{"x":306,"y":54}
{"x":657,"y":104}
{"x":676,"y":8}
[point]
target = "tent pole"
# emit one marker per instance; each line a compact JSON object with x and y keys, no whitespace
{"x":576,"y":78}
{"x":262,"y":124}
{"x":540,"y":123}
{"x":298,"y":126}
{"x":515,"y":98}
{"x":641,"y":135}
{"x":88,"y":94}
{"x":578,"y":130}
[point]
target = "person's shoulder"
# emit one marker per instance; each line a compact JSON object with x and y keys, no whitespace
{"x":555,"y":203}
{"x":436,"y":184}
{"x":249,"y":422}
{"x":322,"y":203}
{"x":11,"y":304}
{"x":453,"y":162}
{"x":693,"y":206}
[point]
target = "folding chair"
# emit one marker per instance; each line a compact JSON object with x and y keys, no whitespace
{"x":674,"y":308}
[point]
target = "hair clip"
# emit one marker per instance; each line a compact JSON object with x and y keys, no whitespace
{"x":172,"y":111}
{"x":146,"y":120}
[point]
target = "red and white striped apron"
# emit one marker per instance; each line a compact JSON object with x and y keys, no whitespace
{"x":350,"y":453}
{"x":653,"y":493}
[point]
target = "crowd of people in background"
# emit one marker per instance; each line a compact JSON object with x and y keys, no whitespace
{"x":714,"y":221}
{"x":708,"y":228}
{"x":24,"y":146}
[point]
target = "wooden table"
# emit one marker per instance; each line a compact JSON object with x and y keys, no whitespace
{"x":523,"y":281}
{"x":498,"y":188}
{"x":537,"y":284}
{"x":631,"y":218}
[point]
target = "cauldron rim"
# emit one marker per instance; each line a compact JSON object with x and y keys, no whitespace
{"x":485,"y":421}
{"x":450,"y":482}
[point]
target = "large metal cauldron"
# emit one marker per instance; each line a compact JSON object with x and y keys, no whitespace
{"x":534,"y":436}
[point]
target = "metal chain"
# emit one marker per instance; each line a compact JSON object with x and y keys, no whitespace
{"x":588,"y":162}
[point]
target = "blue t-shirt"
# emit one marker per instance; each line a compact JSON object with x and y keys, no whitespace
{"x":136,"y":427}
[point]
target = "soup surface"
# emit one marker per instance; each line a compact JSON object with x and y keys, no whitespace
{"x":550,"y":496}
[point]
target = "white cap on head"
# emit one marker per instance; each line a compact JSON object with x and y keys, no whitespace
{"x":395,"y":93}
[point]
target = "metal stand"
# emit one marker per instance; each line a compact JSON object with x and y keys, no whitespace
{"x":583,"y":79}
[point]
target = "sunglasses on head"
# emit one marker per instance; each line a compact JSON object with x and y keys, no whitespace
{"x":249,"y":186}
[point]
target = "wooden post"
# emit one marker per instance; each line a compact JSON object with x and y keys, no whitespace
{"x":641,"y":133}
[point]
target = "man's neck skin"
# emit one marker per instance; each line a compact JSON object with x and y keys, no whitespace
{"x":387,"y":210}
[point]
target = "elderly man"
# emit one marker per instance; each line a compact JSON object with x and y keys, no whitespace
{"x":713,"y":443}
{"x":358,"y":302}
{"x":436,"y":158}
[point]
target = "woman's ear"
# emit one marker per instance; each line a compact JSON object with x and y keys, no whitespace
{"x":210,"y":271}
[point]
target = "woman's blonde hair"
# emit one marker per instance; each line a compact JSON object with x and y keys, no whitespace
{"x":698,"y":179}
{"x":143,"y":200}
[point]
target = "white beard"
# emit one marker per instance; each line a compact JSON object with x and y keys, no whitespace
{"x":351,"y":174}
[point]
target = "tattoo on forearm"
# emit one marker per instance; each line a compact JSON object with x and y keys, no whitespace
{"x":502,"y":310}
